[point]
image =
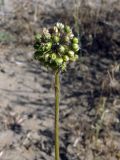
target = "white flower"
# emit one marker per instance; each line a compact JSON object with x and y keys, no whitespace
{"x":60,"y":25}
{"x":71,"y":35}
{"x":46,"y":33}
{"x":55,"y":29}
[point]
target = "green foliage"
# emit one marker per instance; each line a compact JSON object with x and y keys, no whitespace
{"x":56,"y":47}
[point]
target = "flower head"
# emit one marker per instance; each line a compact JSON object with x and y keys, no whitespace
{"x":56,"y":47}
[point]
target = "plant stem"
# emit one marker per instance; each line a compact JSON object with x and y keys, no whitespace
{"x":57,"y":96}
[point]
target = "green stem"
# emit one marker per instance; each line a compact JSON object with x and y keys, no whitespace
{"x":57,"y":96}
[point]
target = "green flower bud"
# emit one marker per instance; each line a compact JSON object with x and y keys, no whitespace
{"x":61,"y":49}
{"x":47,"y":36}
{"x":63,"y":66}
{"x":65,"y":58}
{"x":46,"y":57}
{"x":48,"y":46}
{"x":53,"y":56}
{"x":75,"y":40}
{"x":66,"y":48}
{"x":59,"y":60}
{"x":71,"y":53}
{"x":75,"y":47}
{"x":42,"y":48}
{"x":67,"y":29}
{"x":66,"y":39}
{"x":76,"y":57}
{"x":37,"y":37}
{"x":56,"y":39}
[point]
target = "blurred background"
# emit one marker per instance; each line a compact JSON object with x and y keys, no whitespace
{"x":90,"y":89}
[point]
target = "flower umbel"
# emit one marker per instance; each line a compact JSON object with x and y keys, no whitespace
{"x":56,"y":47}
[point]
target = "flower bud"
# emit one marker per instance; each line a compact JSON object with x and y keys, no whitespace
{"x":46,"y":57}
{"x":71,"y":35}
{"x":60,"y":25}
{"x":75,"y":47}
{"x":53,"y":56}
{"x":61,"y":49}
{"x":71,"y":53}
{"x":66,"y":48}
{"x":63,"y":66}
{"x":48,"y":46}
{"x":47,"y":36}
{"x":67,"y":29}
{"x":76,"y":57}
{"x":37,"y":37}
{"x":75,"y":40}
{"x":59,"y":60}
{"x":55,"y":29}
{"x":65,"y":58}
{"x":66,"y":39}
{"x":56,"y":39}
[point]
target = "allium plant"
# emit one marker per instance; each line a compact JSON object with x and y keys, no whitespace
{"x":55,"y":48}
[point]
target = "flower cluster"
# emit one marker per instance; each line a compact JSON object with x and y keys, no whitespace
{"x":56,"y":47}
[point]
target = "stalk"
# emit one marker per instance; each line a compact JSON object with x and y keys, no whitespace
{"x":57,"y":97}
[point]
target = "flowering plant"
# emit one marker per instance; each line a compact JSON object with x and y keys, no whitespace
{"x":55,"y":48}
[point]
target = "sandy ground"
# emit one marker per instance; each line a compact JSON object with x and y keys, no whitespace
{"x":27,"y":109}
{"x":24,"y":103}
